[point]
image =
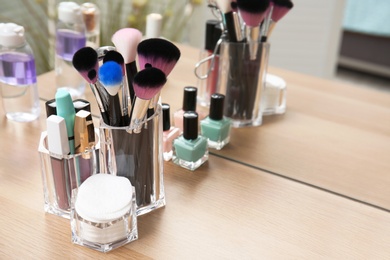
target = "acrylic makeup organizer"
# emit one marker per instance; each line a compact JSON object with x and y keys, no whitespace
{"x":136,"y":153}
{"x":61,"y":174}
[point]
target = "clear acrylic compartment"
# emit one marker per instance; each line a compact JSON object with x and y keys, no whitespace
{"x":61,"y":174}
{"x":137,"y":155}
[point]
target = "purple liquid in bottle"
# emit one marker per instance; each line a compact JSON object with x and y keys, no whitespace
{"x":68,"y":42}
{"x":17,"y":69}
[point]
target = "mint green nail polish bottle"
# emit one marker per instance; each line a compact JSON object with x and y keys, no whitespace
{"x":216,"y":127}
{"x":190,"y":149}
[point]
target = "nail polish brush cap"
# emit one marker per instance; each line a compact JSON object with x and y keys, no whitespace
{"x":189,"y":99}
{"x":216,"y":106}
{"x":166,"y":116}
{"x":190,"y":125}
{"x":210,"y":34}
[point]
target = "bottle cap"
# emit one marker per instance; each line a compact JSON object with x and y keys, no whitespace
{"x":153,"y":25}
{"x":210,"y":34}
{"x":91,"y":16}
{"x":216,"y":106}
{"x":189,"y":99}
{"x":166,"y":116}
{"x":190,"y":125}
{"x":69,"y":12}
{"x":11,"y":34}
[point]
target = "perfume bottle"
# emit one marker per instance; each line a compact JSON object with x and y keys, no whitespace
{"x":170,"y":133}
{"x":189,"y":104}
{"x":18,"y":82}
{"x":70,"y":37}
{"x":190,"y":149}
{"x":216,"y":127}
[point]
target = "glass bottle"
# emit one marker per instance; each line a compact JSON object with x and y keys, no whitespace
{"x":216,"y":127}
{"x":170,"y":133}
{"x":70,"y":37}
{"x":18,"y":82}
{"x":190,"y":149}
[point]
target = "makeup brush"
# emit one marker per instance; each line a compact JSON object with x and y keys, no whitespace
{"x":147,"y":83}
{"x":159,"y":53}
{"x":110,"y":75}
{"x":280,"y":9}
{"x":126,"y":41}
{"x":118,"y":58}
{"x":85,"y":61}
{"x":253,"y":13}
{"x":230,"y":20}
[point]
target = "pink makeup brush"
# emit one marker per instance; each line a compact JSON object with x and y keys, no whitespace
{"x":253,"y":13}
{"x":126,"y":41}
{"x":280,"y":9}
{"x":159,"y":53}
{"x":85,"y":61}
{"x":147,"y":83}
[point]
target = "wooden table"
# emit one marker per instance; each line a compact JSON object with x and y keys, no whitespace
{"x":310,"y":184}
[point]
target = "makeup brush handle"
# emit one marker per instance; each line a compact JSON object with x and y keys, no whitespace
{"x":131,"y":70}
{"x":99,"y":101}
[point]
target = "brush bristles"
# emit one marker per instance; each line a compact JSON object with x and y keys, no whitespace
{"x":110,"y":75}
{"x":116,"y":57}
{"x":148,"y":82}
{"x":85,"y":61}
{"x":253,"y":12}
{"x":280,"y":9}
{"x":283,"y":3}
{"x":126,"y":41}
{"x":160,"y":53}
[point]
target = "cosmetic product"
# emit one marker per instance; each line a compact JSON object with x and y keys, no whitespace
{"x":65,"y":109}
{"x":79,"y":104}
{"x":103,"y":215}
{"x":111,"y":77}
{"x":158,"y":53}
{"x":70,"y":37}
{"x":275,"y":94}
{"x":230,"y":20}
{"x":207,"y":68}
{"x":170,"y":133}
{"x":126,"y":41}
{"x":153,"y":25}
{"x":58,"y":146}
{"x":189,"y":104}
{"x":147,"y":83}
{"x":91,"y":17}
{"x":190,"y":149}
{"x":85,"y":61}
{"x":280,"y":9}
{"x":84,"y":133}
{"x":18,"y":87}
{"x":216,"y":127}
{"x":253,"y":13}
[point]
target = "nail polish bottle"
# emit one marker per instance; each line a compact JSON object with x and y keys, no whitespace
{"x":190,"y":149}
{"x":216,"y":127}
{"x":189,"y":104}
{"x":170,"y":133}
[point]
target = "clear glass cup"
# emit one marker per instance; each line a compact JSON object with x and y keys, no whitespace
{"x":137,"y":155}
{"x":242,"y":71}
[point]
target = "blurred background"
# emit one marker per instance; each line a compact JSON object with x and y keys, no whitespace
{"x":345,"y":40}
